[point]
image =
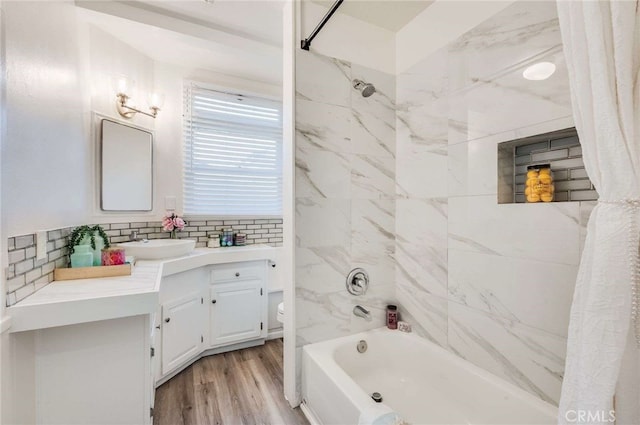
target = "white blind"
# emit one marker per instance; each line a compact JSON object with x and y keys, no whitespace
{"x":232,"y":153}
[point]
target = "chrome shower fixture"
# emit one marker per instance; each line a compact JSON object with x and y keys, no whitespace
{"x":367,"y":89}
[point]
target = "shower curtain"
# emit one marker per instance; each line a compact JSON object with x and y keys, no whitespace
{"x":601,"y":43}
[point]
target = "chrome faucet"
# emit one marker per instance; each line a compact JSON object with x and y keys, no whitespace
{"x":133,"y":236}
{"x":362,"y":312}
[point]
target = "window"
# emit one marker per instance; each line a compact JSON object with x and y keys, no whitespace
{"x":233,"y":153}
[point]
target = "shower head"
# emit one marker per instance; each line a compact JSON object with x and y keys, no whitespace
{"x":367,"y":89}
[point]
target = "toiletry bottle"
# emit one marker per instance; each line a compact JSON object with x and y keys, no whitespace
{"x":227,"y":237}
{"x":214,"y":241}
{"x":392,"y":316}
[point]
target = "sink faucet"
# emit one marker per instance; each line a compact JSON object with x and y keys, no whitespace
{"x":362,"y":312}
{"x":133,"y":236}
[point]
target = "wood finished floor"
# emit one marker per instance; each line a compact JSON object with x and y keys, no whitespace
{"x":239,"y":387}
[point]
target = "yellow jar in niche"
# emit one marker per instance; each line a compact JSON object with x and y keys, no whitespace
{"x":539,"y":184}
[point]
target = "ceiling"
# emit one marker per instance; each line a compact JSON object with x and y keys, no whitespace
{"x":223,"y":37}
{"x":391,"y":15}
{"x":260,"y":20}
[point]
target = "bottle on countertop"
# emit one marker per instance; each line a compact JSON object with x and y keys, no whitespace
{"x":214,"y":241}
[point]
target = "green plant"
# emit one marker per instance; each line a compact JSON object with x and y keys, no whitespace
{"x":80,"y":232}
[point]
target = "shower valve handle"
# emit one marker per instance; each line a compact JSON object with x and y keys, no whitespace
{"x":357,"y":282}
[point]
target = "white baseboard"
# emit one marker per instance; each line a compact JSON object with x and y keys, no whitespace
{"x":275,"y":334}
{"x":308,"y":413}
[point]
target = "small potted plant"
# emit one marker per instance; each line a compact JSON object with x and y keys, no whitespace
{"x":90,"y":235}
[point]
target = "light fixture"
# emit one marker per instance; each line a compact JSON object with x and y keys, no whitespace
{"x":539,"y":71}
{"x":125,"y":105}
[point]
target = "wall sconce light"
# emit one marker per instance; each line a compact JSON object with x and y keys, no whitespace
{"x":127,"y":108}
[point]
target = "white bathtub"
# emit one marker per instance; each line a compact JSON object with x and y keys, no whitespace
{"x":421,"y":382}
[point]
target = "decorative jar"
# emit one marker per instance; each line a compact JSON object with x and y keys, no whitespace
{"x":82,"y":256}
{"x":539,"y":184}
{"x":113,"y":257}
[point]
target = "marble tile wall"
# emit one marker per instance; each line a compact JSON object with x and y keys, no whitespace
{"x":492,"y":283}
{"x":409,"y":190}
{"x":345,"y":195}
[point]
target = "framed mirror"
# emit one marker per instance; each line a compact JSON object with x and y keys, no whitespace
{"x":126,"y":176}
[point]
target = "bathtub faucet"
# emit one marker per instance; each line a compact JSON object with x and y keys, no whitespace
{"x":362,"y":312}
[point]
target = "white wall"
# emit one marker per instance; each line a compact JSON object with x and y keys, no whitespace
{"x":4,"y":365}
{"x":107,"y":59}
{"x":46,"y":154}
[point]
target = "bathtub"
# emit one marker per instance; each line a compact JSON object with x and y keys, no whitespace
{"x":420,"y":381}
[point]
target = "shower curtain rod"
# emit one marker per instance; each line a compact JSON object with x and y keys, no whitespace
{"x":306,"y":43}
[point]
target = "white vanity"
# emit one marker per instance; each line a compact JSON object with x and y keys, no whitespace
{"x":93,"y":350}
{"x":210,"y":309}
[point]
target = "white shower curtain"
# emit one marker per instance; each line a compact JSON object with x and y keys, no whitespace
{"x":601,"y":41}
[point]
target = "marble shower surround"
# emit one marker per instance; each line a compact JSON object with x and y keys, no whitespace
{"x":26,"y":274}
{"x":492,"y":283}
{"x":408,"y":189}
{"x":345,"y":195}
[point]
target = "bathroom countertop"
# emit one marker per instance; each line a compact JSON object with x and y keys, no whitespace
{"x":71,"y":302}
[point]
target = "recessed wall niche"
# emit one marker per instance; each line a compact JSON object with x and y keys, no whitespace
{"x":561,"y":149}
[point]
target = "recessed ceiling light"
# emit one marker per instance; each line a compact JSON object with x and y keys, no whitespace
{"x":539,"y":71}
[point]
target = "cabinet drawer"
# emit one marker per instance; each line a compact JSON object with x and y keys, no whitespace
{"x":237,"y":271}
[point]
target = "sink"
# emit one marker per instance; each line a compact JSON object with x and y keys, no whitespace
{"x":155,"y":249}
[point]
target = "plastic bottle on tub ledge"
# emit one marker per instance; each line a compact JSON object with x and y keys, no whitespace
{"x":392,"y":316}
{"x":539,"y":184}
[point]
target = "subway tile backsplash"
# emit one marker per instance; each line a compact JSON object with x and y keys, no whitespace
{"x":25,"y":274}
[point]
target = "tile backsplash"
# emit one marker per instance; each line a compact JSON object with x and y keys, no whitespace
{"x":26,"y":274}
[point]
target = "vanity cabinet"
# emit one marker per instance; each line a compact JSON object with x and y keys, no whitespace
{"x":225,"y":306}
{"x":182,"y":334}
{"x":236,"y":312}
{"x":93,"y":351}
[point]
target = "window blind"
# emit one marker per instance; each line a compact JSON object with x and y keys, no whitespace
{"x":232,"y":153}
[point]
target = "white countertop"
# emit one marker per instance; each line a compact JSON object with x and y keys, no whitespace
{"x":86,"y":300}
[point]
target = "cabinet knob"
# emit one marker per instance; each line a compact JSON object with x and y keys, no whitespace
{"x":237,"y":274}
{"x":168,"y":319}
{"x":213,"y":301}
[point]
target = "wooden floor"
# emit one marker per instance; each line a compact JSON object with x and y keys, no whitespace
{"x":239,"y":387}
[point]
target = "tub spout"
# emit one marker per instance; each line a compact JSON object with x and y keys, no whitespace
{"x":362,"y":312}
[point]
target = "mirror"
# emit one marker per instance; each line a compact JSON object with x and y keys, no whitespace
{"x":127,"y":167}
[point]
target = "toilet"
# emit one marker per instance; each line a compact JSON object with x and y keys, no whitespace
{"x":280,"y":314}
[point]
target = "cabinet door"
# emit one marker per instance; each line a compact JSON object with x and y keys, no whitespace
{"x":182,"y":325}
{"x":236,"y":311}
